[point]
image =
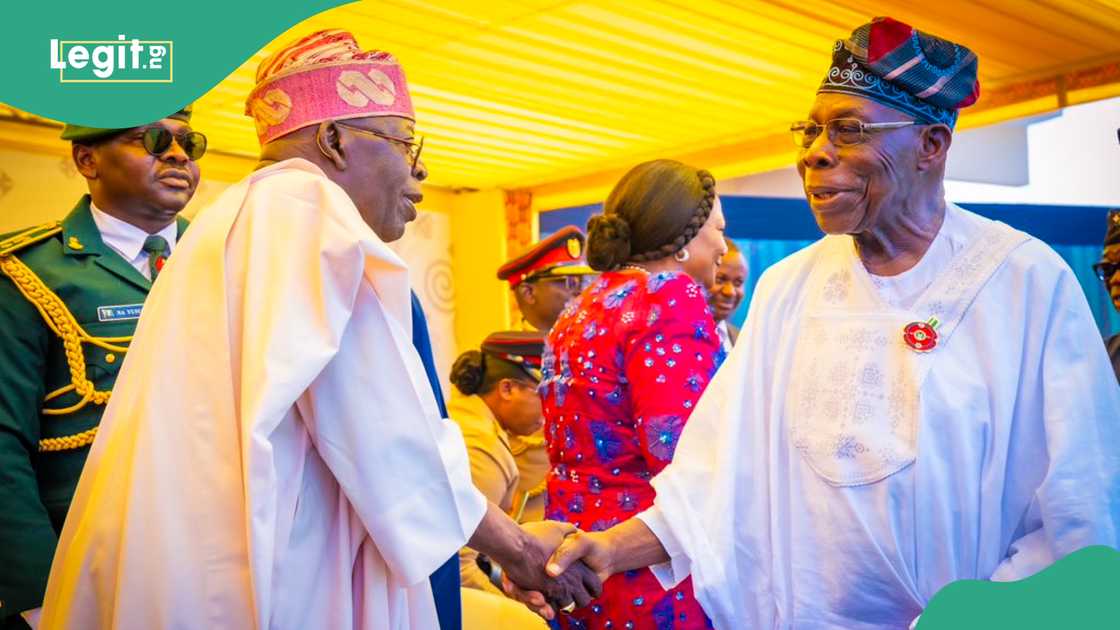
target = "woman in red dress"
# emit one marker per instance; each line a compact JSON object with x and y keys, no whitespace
{"x":623,"y":367}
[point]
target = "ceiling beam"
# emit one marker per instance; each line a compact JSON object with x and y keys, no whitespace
{"x":1016,"y":99}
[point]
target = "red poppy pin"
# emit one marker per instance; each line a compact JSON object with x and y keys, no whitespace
{"x":921,"y":336}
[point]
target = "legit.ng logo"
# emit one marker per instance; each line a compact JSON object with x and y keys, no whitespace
{"x":118,"y":60}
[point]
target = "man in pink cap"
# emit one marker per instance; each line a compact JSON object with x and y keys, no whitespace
{"x":287,"y":462}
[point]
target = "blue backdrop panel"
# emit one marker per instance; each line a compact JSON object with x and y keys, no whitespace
{"x":768,"y":229}
{"x":783,"y":219}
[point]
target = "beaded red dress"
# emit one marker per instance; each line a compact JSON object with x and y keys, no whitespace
{"x":623,"y":367}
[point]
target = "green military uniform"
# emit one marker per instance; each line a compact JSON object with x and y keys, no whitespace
{"x":68,"y":308}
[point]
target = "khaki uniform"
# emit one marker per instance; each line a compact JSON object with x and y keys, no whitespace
{"x":531,"y":454}
{"x":493,"y":471}
{"x":486,"y":611}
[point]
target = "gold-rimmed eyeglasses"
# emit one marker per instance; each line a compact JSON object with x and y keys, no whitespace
{"x":413,"y":145}
{"x":842,"y":132}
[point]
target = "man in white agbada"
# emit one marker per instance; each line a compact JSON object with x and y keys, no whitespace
{"x":918,"y":398}
{"x":273,"y":455}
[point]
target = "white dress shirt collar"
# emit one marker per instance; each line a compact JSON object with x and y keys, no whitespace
{"x":724,"y":335}
{"x":128,"y":240}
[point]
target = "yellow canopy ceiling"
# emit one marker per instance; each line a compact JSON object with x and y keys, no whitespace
{"x":558,"y":96}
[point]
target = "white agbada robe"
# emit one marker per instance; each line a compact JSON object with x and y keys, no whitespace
{"x":272,"y":455}
{"x":831,"y":477}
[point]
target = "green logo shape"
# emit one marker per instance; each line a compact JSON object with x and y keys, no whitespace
{"x":1079,"y":591}
{"x":123,"y":63}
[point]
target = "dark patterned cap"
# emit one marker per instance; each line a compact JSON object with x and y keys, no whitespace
{"x":916,"y":73}
{"x":521,"y":347}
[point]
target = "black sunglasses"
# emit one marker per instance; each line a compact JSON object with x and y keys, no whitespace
{"x":157,"y":141}
{"x":1105,"y":269}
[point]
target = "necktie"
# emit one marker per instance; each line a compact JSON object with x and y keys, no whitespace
{"x":724,"y":336}
{"x":157,"y":249}
{"x":445,"y":581}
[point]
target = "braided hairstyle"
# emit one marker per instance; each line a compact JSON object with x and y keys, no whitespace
{"x":656,"y":209}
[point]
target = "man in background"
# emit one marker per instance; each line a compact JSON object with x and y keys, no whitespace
{"x":726,"y":293}
{"x":544,"y":278}
{"x":70,"y":295}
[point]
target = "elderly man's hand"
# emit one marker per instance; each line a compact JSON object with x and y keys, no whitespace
{"x":578,"y":585}
{"x":578,"y":552}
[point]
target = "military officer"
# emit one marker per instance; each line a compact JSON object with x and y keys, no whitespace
{"x":496,"y":399}
{"x":543,"y":279}
{"x":70,"y":295}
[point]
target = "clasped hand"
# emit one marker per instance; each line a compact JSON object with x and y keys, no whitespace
{"x":566,"y":566}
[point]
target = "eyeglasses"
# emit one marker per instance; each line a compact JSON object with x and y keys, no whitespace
{"x":1106,"y":269}
{"x":842,"y":132}
{"x":413,"y":146}
{"x":571,"y":283}
{"x":526,"y":384}
{"x":157,"y":141}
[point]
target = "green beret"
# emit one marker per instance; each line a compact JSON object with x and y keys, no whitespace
{"x":81,"y":133}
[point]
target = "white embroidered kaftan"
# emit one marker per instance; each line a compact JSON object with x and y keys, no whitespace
{"x":272,"y":455}
{"x":832,"y":477}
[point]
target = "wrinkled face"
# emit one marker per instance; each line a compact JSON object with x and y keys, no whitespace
{"x":851,"y":188}
{"x":1112,"y":254}
{"x":707,"y":248}
{"x":726,"y":293}
{"x":379,"y":178}
{"x":520,"y":411}
{"x":136,"y":182}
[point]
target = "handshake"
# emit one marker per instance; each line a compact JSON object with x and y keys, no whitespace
{"x":557,"y":568}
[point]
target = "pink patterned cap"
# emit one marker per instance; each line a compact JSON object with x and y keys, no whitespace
{"x":325,"y":76}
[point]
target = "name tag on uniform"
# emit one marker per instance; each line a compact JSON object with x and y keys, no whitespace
{"x":119,"y":313}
